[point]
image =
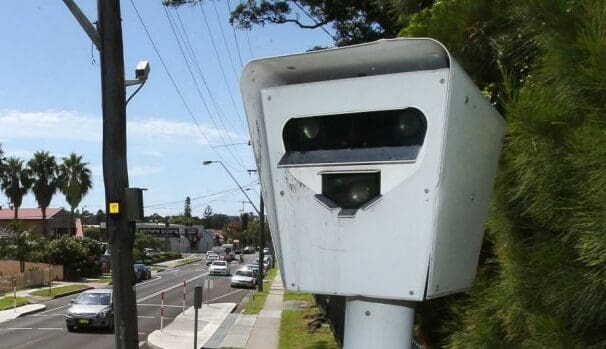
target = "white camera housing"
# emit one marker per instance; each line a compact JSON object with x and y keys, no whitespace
{"x":142,"y":70}
{"x":420,"y":235}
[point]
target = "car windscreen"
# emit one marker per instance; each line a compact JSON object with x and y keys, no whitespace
{"x":244,"y":273}
{"x":94,"y":299}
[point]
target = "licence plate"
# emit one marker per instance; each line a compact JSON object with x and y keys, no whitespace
{"x":83,"y":321}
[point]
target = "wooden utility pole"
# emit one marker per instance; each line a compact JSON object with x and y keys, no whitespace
{"x":115,"y":172}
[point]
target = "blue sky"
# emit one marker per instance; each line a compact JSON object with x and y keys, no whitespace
{"x":50,"y":97}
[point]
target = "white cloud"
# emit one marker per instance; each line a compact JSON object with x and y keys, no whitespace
{"x":70,"y":125}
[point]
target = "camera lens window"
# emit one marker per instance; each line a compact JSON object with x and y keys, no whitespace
{"x":386,"y":135}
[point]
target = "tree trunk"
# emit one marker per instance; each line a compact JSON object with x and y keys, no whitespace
{"x":71,"y":221}
{"x":22,"y":264}
{"x":16,"y":212}
{"x":44,"y":227}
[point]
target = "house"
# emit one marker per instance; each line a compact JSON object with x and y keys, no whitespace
{"x":57,"y":220}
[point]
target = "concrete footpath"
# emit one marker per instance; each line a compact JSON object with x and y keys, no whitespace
{"x":266,"y":331}
{"x":219,"y":328}
{"x":6,"y":315}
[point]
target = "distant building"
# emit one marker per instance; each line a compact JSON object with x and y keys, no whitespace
{"x":181,"y":238}
{"x":57,"y":220}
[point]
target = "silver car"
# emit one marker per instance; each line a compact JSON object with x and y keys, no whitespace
{"x":219,"y":267}
{"x":243,"y":277}
{"x":92,"y":308}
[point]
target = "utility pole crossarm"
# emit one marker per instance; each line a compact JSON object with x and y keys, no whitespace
{"x":84,"y":23}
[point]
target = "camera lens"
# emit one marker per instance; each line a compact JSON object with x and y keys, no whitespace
{"x":351,"y":190}
{"x":309,"y":128}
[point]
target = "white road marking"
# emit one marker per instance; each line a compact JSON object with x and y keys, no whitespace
{"x":159,"y":305}
{"x":146,"y":317}
{"x":180,"y":284}
{"x":225,"y":295}
{"x":157,"y":277}
{"x":50,"y":328}
{"x":19,"y":328}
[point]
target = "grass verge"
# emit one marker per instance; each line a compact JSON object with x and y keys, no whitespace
{"x":59,"y":291}
{"x":294,"y":332}
{"x":257,"y":299}
{"x":7,"y":303}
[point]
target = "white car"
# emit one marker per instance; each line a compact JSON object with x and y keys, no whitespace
{"x":243,"y":278}
{"x":211,"y":257}
{"x":219,"y":268}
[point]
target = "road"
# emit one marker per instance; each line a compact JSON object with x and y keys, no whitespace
{"x":47,"y":329}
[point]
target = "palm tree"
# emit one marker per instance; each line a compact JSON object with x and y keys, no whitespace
{"x":44,"y":170}
{"x":15,"y":182}
{"x":75,"y":181}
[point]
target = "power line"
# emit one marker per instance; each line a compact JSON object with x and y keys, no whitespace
{"x":235,"y":37}
{"x":189,"y":45}
{"x":212,"y":40}
{"x":173,"y":82}
{"x":230,"y":190}
{"x":231,"y":60}
{"x":172,"y":27}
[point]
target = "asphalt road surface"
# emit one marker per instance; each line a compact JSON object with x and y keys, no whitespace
{"x":47,"y":329}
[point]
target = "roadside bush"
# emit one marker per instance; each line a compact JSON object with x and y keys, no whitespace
{"x":79,"y":256}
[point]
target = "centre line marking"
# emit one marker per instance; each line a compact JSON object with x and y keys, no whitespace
{"x":146,"y":317}
{"x":50,"y":328}
{"x":170,"y":288}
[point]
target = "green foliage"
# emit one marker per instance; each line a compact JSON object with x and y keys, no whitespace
{"x":543,"y":282}
{"x":187,"y":207}
{"x":16,"y":181}
{"x":44,"y":174}
{"x":352,"y":21}
{"x":143,"y":241}
{"x":79,"y":256}
{"x":75,"y":180}
{"x":93,"y":233}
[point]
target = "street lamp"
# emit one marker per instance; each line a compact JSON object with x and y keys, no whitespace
{"x":208,"y":162}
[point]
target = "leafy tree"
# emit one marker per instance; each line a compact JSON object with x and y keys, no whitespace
{"x":187,"y":207}
{"x":100,"y":216}
{"x":75,"y":182}
{"x":44,"y":174}
{"x":79,"y":256}
{"x":16,"y":182}
{"x":143,"y":241}
{"x":22,"y":245}
{"x":2,"y":162}
{"x":353,"y":21}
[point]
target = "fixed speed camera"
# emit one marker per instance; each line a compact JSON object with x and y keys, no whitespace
{"x":376,"y":164}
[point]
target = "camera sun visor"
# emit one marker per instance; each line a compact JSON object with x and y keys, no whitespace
{"x":374,"y":136}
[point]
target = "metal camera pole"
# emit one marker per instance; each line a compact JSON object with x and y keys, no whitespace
{"x":378,"y":323}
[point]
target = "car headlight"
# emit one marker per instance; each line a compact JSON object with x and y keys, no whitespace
{"x":104,"y":313}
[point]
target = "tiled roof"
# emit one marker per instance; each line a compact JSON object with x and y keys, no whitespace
{"x":28,"y":213}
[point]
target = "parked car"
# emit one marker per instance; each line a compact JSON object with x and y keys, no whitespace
{"x":266,"y":251}
{"x":253,"y":268}
{"x":148,"y":252}
{"x":248,"y":250}
{"x":211,"y":257}
{"x":265,"y":265}
{"x":243,"y":277}
{"x":142,"y":271}
{"x":92,"y":308}
{"x":219,"y":268}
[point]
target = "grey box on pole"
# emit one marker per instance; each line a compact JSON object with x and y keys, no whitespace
{"x":198,"y":297}
{"x":134,"y":204}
